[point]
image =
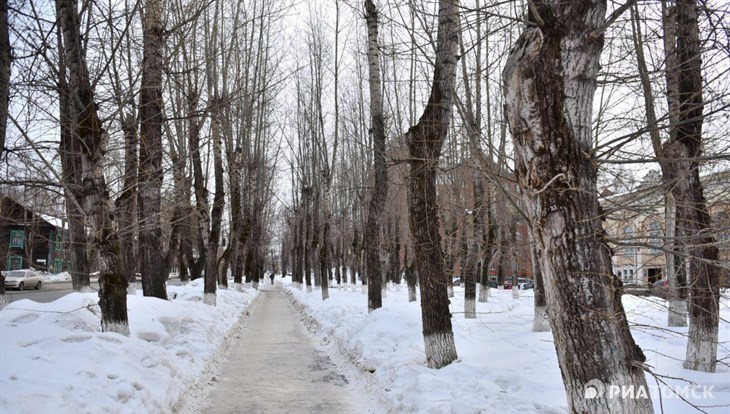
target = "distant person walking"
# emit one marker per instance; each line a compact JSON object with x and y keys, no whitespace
{"x":272,"y":278}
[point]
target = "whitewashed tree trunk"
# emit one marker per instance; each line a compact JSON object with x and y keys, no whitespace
{"x":677,"y":288}
{"x":484,"y":293}
{"x":693,"y":220}
{"x":425,"y":140}
{"x":677,"y":314}
{"x":541,"y":321}
{"x":549,"y":81}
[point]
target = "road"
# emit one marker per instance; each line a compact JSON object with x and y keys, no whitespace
{"x":51,"y":291}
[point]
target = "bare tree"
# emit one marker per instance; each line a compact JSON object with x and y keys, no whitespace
{"x":380,"y":187}
{"x":83,"y":125}
{"x":549,"y":80}
{"x":693,"y":220}
{"x":425,"y":140}
{"x":154,"y":270}
{"x":5,"y":58}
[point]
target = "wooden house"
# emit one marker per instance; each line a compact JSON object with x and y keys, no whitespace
{"x":29,"y":239}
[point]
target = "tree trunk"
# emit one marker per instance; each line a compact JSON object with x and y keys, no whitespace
{"x":411,"y":280}
{"x":425,"y":140}
{"x":469,"y":272}
{"x":5,"y":59}
{"x":676,"y":273}
{"x":355,"y":269}
{"x":380,"y":187}
{"x":677,"y":296}
{"x":541,"y":322}
{"x":324,"y":265}
{"x":69,"y":153}
{"x":126,"y":203}
{"x":216,"y":215}
{"x":85,"y":126}
{"x":676,"y":276}
{"x":549,"y":81}
{"x":150,"y":158}
{"x":488,"y":241}
{"x":693,"y":218}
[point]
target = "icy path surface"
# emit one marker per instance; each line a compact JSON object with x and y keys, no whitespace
{"x":277,"y":367}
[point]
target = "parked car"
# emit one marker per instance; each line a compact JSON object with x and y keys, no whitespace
{"x":660,"y":288}
{"x":457,"y":280}
{"x":21,"y":279}
{"x":635,"y":289}
{"x":525,"y":283}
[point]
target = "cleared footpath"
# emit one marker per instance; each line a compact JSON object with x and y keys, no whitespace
{"x":277,"y":367}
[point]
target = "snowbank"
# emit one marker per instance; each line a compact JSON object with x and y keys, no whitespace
{"x":503,"y":367}
{"x":55,"y":359}
{"x":57,"y":277}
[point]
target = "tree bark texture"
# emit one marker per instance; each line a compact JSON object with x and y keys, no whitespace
{"x":5,"y":59}
{"x":126,"y":203}
{"x":69,"y":153}
{"x":85,"y":126}
{"x":150,"y":152}
{"x":211,"y":265}
{"x":425,"y":140}
{"x":469,"y":272}
{"x":677,"y":296}
{"x":693,"y":218}
{"x":541,"y":321}
{"x":549,"y":81}
{"x":380,"y":187}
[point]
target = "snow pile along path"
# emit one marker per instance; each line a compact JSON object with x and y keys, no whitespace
{"x":55,"y":359}
{"x":503,"y":366}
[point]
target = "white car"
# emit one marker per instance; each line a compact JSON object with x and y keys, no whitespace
{"x":21,"y":279}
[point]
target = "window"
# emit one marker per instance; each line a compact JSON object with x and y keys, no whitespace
{"x":57,"y":266}
{"x":59,"y":241}
{"x":15,"y":262}
{"x":629,"y":237}
{"x":17,"y":238}
{"x":655,"y":233}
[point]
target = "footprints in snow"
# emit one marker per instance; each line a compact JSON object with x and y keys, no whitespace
{"x":323,"y":363}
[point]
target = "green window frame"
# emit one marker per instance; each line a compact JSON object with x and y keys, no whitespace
{"x":17,"y":238}
{"x":15,"y":262}
{"x":57,"y":265}
{"x":59,"y":241}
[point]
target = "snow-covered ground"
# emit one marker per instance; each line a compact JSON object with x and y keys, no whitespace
{"x":56,"y":277}
{"x":503,"y":367}
{"x":55,"y":359}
